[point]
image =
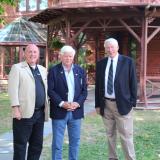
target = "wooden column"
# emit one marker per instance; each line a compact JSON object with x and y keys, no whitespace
{"x":47,"y":47}
{"x":68,"y":31}
{"x":3,"y":67}
{"x":97,"y":46}
{"x":21,"y":53}
{"x":143,"y":67}
{"x":46,"y":57}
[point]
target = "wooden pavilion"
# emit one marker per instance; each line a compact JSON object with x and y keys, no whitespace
{"x":136,"y":25}
{"x":13,"y":40}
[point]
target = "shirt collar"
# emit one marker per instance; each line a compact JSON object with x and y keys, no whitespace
{"x":115,"y":58}
{"x":65,"y":69}
{"x":33,"y":67}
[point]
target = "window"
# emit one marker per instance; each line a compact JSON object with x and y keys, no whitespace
{"x":43,"y":4}
{"x":32,"y":5}
{"x":22,"y":5}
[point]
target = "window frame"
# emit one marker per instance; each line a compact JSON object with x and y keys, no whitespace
{"x":38,"y":2}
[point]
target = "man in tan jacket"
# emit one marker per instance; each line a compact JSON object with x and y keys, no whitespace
{"x":27,"y":88}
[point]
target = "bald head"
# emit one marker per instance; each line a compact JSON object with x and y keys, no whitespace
{"x":31,"y":54}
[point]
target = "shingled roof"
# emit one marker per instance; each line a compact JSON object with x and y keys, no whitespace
{"x":67,"y":7}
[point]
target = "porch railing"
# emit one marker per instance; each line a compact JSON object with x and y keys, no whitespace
{"x":103,"y":1}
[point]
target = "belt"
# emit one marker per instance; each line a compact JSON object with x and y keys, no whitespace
{"x":110,"y":99}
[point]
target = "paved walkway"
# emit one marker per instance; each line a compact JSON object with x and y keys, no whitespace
{"x":6,"y":140}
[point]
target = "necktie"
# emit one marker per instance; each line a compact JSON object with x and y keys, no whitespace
{"x":110,"y":79}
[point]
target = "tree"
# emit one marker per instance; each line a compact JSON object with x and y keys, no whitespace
{"x":2,"y":4}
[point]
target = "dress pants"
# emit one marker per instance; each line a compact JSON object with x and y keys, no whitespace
{"x":114,"y":122}
{"x":28,"y":130}
{"x":73,"y":126}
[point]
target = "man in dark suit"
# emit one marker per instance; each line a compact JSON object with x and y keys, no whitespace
{"x":116,"y":93}
{"x":67,"y":90}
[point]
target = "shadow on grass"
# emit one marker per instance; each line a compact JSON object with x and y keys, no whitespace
{"x":93,"y":139}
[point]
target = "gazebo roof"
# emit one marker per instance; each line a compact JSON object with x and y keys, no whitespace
{"x":21,"y":32}
{"x":83,"y":7}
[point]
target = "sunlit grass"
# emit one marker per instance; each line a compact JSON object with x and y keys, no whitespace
{"x":93,"y":139}
{"x":5,"y":113}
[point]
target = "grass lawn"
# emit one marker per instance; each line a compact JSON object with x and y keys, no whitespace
{"x":93,"y":139}
{"x":5,"y":113}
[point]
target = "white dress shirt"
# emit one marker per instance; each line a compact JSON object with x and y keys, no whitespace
{"x":115,"y":60}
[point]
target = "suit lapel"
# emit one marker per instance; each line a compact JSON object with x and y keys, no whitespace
{"x":26,"y":67}
{"x":119,"y":65}
{"x":42,"y":74}
{"x":104,"y":70}
{"x":75,"y":72}
{"x":62,"y":74}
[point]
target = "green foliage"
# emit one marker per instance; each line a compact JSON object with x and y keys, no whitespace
{"x":7,"y":2}
{"x":81,"y":59}
{"x":56,"y":43}
{"x":2,"y":3}
{"x":51,"y":64}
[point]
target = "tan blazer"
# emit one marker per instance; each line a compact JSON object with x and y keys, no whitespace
{"x":21,"y":88}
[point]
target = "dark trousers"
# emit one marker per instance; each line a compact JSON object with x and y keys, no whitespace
{"x":28,"y":130}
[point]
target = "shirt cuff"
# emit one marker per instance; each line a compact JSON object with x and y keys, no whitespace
{"x":61,"y":104}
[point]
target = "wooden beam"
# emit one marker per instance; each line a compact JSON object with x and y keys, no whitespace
{"x":106,"y":27}
{"x":81,"y":29}
{"x":68,"y":31}
{"x":143,"y":66}
{"x":153,"y":34}
{"x":104,"y":24}
{"x":130,"y":30}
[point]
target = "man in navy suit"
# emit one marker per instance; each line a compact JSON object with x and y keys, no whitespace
{"x":116,"y":93}
{"x":67,"y":90}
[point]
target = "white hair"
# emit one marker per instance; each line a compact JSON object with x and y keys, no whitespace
{"x":110,"y":41}
{"x":67,"y":49}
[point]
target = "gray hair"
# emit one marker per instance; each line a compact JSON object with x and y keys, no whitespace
{"x":67,"y":49}
{"x":110,"y":41}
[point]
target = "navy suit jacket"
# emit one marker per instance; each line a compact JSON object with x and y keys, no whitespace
{"x":58,"y":91}
{"x":125,"y":85}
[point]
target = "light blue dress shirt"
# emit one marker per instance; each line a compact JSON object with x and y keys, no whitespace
{"x":70,"y":83}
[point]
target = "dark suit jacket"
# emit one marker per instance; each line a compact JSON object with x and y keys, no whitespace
{"x":125,"y":85}
{"x":58,"y":91}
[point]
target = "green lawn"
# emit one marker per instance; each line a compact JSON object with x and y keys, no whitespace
{"x":93,"y":139}
{"x":5,"y":113}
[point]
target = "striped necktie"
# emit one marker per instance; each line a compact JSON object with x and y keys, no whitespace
{"x":110,"y":79}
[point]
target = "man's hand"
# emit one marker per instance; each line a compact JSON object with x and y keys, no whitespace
{"x":16,"y":113}
{"x":74,"y":105}
{"x":66,"y":105}
{"x":98,"y":110}
{"x":70,"y":106}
